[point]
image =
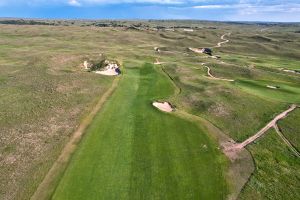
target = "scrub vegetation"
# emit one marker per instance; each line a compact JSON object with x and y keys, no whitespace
{"x":131,"y":150}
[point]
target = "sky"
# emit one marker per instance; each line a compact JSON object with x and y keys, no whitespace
{"x":220,"y":10}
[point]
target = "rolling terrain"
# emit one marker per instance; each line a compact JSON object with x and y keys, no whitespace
{"x":71,"y":134}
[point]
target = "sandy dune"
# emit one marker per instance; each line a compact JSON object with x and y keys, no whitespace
{"x":108,"y":72}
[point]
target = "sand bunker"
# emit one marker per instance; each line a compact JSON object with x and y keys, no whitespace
{"x":85,"y":64}
{"x":165,"y":106}
{"x":291,"y":71}
{"x":196,"y":50}
{"x":272,"y":87}
{"x":111,"y":69}
{"x":188,"y":30}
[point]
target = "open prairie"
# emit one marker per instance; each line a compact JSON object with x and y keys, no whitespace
{"x":70,"y":133}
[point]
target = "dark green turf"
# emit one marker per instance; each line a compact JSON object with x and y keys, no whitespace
{"x":133,"y":151}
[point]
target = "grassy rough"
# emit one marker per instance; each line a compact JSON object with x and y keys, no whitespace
{"x":277,"y":170}
{"x":290,"y":128}
{"x":37,"y":114}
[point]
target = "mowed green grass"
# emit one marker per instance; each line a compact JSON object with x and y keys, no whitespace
{"x":287,"y":92}
{"x":133,"y":151}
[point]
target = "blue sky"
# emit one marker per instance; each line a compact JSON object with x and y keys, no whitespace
{"x":223,"y":10}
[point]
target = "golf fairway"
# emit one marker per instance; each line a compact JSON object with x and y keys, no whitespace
{"x":134,"y":151}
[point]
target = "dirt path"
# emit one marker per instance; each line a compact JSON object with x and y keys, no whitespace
{"x":48,"y":185}
{"x":231,"y":149}
{"x":286,"y":141}
{"x":224,"y":40}
{"x":158,"y":63}
{"x":215,"y":78}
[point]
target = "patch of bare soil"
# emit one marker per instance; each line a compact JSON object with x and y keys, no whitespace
{"x":196,"y":50}
{"x":87,"y":65}
{"x":188,"y":30}
{"x":112,"y":69}
{"x":163,"y":106}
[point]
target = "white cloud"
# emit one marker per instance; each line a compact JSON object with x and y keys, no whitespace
{"x":87,"y":2}
{"x":223,"y":6}
{"x":74,"y":3}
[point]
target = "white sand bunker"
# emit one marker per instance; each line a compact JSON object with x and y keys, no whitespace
{"x":165,"y":106}
{"x":292,"y":71}
{"x":272,"y":87}
{"x":111,"y":69}
{"x":196,"y":50}
{"x":87,"y":65}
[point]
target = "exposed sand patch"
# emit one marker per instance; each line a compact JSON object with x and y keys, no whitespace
{"x":111,"y":69}
{"x":169,"y":29}
{"x":272,"y":87}
{"x":165,"y":106}
{"x":291,"y":71}
{"x":196,"y":50}
{"x":86,"y":64}
{"x":188,"y":30}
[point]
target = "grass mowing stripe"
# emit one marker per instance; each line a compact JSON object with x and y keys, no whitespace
{"x":133,"y":151}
